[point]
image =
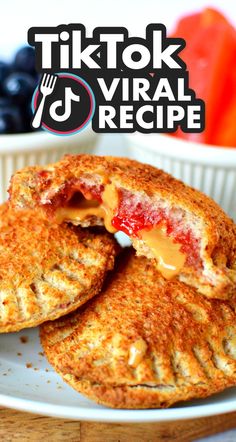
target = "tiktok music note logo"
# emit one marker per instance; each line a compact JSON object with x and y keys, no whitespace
{"x":62,"y":104}
{"x":69,"y":97}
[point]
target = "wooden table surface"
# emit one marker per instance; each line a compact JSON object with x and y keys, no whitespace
{"x":24,"y":427}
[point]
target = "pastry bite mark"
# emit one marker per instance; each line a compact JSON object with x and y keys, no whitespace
{"x":169,"y":243}
{"x":107,"y":205}
{"x":186,"y":233}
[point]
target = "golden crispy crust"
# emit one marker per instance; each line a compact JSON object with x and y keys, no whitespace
{"x":188,"y":342}
{"x":47,"y":270}
{"x":215,"y":230}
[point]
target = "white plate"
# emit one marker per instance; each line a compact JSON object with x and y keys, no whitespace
{"x":38,"y":389}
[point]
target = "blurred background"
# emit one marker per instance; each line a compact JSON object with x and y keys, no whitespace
{"x":17,"y":16}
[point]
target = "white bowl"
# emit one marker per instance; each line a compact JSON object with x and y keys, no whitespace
{"x":211,"y":169}
{"x":38,"y":148}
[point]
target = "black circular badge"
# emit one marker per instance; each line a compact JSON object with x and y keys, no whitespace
{"x":68,"y":103}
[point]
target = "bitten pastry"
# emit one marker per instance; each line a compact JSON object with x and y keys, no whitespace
{"x":185,"y":232}
{"x":144,"y":342}
{"x":47,"y":270}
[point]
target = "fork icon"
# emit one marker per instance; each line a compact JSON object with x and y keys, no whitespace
{"x":46,"y":88}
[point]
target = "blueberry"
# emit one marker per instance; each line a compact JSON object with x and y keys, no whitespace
{"x":10,"y":120}
{"x":4,"y":72}
{"x":25,"y":60}
{"x":17,"y":83}
{"x":19,"y":86}
{"x":27,"y":115}
{"x":5,"y":102}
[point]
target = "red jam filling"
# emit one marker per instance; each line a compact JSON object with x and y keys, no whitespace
{"x":133,"y":216}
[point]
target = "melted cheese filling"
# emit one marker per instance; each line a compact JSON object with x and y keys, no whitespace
{"x":170,"y":259}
